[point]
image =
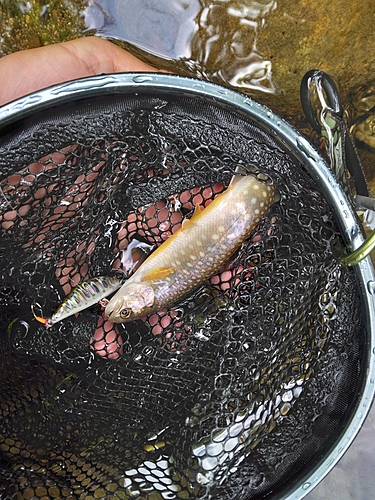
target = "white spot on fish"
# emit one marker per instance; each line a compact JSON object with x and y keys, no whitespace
{"x":255,"y":187}
{"x":221,"y":229}
{"x":201,"y":254}
{"x":256,"y":211}
{"x":215,"y":236}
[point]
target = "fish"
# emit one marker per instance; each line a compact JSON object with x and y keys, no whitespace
{"x":89,"y":292}
{"x":195,"y":252}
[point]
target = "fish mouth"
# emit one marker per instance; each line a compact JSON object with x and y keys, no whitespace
{"x":107,"y":316}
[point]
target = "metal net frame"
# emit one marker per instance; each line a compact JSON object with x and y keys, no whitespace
{"x":230,"y":393}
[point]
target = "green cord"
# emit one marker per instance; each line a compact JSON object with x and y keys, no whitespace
{"x":363,"y":251}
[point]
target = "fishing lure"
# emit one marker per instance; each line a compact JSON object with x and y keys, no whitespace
{"x":89,"y":292}
{"x":195,"y":252}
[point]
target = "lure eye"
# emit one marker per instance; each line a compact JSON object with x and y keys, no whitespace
{"x":125,"y":313}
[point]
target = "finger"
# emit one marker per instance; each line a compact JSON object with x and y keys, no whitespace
{"x":30,"y":70}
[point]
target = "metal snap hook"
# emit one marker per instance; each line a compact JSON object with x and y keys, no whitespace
{"x":342,"y":151}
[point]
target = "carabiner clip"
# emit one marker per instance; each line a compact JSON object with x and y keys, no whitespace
{"x":341,"y":150}
{"x":333,"y":126}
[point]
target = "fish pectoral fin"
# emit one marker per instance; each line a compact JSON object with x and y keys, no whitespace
{"x":157,"y":273}
{"x":186,"y":223}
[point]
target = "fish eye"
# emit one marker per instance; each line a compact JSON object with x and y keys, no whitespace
{"x":119,"y":276}
{"x":125,"y":313}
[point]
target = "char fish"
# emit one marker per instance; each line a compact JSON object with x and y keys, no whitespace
{"x":195,"y":252}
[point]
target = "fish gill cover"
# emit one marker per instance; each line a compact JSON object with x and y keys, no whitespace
{"x":229,"y":393}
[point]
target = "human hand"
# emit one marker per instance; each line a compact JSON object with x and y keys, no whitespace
{"x":30,"y":70}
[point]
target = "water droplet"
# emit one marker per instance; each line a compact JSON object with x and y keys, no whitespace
{"x":371,"y":287}
{"x":248,"y":101}
{"x":142,"y":78}
{"x":306,"y":486}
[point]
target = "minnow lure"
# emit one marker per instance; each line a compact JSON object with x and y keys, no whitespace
{"x":84,"y":295}
{"x":195,"y":252}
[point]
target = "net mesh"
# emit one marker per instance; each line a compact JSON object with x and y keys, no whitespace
{"x":231,"y":393}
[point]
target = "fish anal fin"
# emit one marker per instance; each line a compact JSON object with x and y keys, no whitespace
{"x":158,"y":273}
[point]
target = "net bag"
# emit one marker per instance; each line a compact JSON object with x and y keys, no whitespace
{"x":253,"y":384}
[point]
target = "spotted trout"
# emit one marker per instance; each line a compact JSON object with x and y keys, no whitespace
{"x":195,"y":252}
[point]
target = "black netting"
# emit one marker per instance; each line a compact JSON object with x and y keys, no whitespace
{"x":232,"y":392}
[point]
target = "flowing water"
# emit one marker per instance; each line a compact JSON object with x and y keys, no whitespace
{"x":259,"y":47}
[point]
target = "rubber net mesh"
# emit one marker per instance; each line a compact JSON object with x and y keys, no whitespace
{"x":231,"y":393}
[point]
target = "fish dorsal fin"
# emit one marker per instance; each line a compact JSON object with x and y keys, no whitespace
{"x":157,"y":273}
{"x":186,"y":223}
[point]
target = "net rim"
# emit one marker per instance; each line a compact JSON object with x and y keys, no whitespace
{"x":300,"y":147}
